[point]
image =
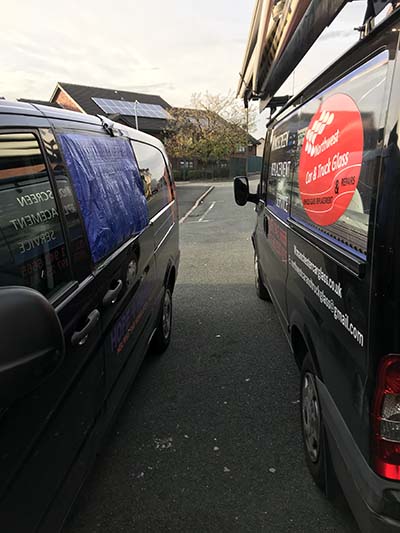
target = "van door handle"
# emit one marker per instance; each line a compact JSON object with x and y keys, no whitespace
{"x":111,"y":295}
{"x":80,"y":337}
{"x":265,"y":224}
{"x":145,"y":272}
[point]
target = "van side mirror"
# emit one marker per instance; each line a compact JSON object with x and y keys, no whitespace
{"x":32,"y":342}
{"x":242,"y":192}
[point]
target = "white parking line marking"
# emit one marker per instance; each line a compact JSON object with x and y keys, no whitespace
{"x":196,"y":205}
{"x":201,"y":219}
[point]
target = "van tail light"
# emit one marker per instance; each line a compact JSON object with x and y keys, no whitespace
{"x":386,"y":419}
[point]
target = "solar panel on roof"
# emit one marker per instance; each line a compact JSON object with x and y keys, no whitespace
{"x":115,"y":106}
{"x":123,"y":107}
{"x":151,"y":111}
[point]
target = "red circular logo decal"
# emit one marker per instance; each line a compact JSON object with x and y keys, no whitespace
{"x":330,"y":159}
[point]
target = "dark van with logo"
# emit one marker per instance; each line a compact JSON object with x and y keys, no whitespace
{"x":88,"y":261}
{"x":327,"y":253}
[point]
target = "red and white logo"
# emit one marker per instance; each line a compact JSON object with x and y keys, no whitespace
{"x":330,"y":159}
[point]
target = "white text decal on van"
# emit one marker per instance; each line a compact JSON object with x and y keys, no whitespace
{"x":281,"y":141}
{"x":320,"y":274}
{"x":338,"y":315}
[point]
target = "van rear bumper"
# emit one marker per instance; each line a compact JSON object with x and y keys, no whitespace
{"x":374,"y":501}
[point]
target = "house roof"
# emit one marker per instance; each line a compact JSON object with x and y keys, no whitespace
{"x":83,"y":94}
{"x":39,"y":102}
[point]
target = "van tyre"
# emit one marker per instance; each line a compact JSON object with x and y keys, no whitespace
{"x":261,"y":290}
{"x":314,"y":437}
{"x":162,"y":336}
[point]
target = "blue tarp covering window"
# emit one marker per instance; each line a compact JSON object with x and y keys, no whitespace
{"x":108,"y":187}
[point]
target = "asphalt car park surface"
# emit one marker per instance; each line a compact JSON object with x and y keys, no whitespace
{"x":188,"y":194}
{"x":208,"y":439}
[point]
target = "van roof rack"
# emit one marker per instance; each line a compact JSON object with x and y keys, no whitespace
{"x":110,"y":126}
{"x":281,"y":33}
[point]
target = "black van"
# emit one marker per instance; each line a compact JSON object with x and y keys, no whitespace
{"x":327,"y":253}
{"x":88,"y":261}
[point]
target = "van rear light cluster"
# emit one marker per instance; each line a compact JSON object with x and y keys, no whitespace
{"x":386,"y":419}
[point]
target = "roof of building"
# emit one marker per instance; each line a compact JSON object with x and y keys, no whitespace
{"x":38,"y":102}
{"x":83,"y":95}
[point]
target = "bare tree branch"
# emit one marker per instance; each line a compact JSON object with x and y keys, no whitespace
{"x":214,"y":127}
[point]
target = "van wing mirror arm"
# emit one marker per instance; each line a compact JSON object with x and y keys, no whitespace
{"x":253,"y":198}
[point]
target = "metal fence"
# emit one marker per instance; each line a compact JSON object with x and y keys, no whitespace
{"x":213,"y":170}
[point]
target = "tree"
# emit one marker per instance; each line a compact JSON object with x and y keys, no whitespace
{"x":213,"y":128}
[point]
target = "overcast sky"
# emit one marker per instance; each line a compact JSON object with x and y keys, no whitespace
{"x":173,"y":48}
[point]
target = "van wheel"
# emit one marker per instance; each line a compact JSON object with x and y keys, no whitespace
{"x":261,"y":290}
{"x":162,"y":336}
{"x":314,"y":438}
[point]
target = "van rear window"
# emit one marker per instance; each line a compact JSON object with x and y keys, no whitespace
{"x":108,"y":187}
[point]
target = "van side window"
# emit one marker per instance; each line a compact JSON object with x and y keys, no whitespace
{"x":155,"y":176}
{"x":108,"y":187}
{"x":265,"y":165}
{"x":32,"y":247}
{"x":338,"y":156}
{"x":280,"y":168}
{"x":78,"y":246}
